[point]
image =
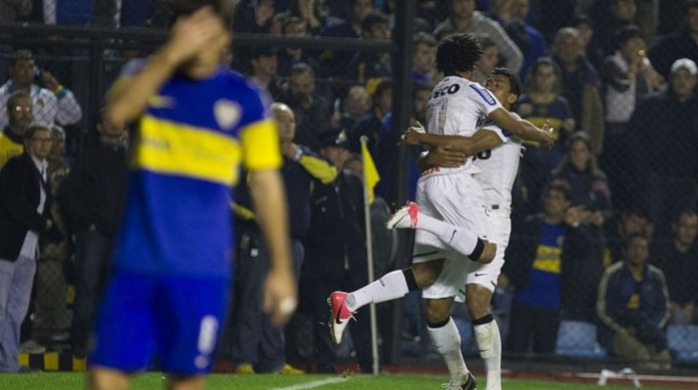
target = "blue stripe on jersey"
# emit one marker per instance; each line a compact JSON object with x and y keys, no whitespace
{"x":485,"y":94}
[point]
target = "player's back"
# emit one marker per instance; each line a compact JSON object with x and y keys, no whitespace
{"x":498,"y":166}
{"x":454,"y":108}
{"x":185,"y":159}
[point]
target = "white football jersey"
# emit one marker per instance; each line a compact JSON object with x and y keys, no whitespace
{"x":498,"y":166}
{"x":454,"y":108}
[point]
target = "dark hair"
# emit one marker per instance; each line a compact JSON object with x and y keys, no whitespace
{"x":560,"y":186}
{"x":582,"y":19}
{"x":222,"y":8}
{"x":690,"y":4}
{"x":565,"y":166}
{"x":625,"y":34}
{"x":12,"y":101}
{"x":31,"y":130}
{"x":514,"y":81}
{"x":458,"y":53}
{"x":373,"y":19}
{"x":381,"y":87}
{"x":21,"y":55}
{"x":681,"y":213}
{"x":424,"y":38}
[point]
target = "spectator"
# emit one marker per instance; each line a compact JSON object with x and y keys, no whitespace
{"x":677,"y":257}
{"x":465,"y":19}
{"x":25,"y":203}
{"x":336,"y":256}
{"x":258,"y":347}
{"x":632,"y":220}
{"x":19,"y":114}
{"x":253,"y":16}
{"x":311,"y":108}
{"x":533,"y":268}
{"x":334,"y":62}
{"x":666,"y":142}
{"x":94,"y":195}
{"x":51,"y":315}
{"x":424,"y":59}
{"x":13,"y":10}
{"x":609,"y":17}
{"x":310,"y":13}
{"x":53,"y":104}
{"x":633,"y":307}
{"x":367,"y":67}
{"x":513,"y":16}
{"x":289,"y":56}
{"x":683,"y":43}
{"x":357,"y":104}
{"x":629,"y":75}
{"x":371,"y":124}
{"x":487,"y":62}
{"x":581,"y":85}
{"x":541,"y":104}
{"x":588,"y":183}
{"x":586,"y":31}
{"x":264,"y":67}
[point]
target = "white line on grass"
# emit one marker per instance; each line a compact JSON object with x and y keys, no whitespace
{"x":312,"y":385}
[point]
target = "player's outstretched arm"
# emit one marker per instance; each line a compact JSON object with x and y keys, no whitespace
{"x":129,"y":97}
{"x":521,"y":128}
{"x":269,"y":201}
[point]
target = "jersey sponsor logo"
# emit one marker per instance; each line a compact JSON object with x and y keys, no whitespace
{"x":484,"y":94}
{"x":227,"y":113}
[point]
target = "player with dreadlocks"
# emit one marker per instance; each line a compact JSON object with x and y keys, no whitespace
{"x":451,"y":213}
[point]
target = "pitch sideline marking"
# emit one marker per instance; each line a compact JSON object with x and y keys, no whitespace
{"x":312,"y":385}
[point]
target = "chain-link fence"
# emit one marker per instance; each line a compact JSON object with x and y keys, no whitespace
{"x":615,"y":79}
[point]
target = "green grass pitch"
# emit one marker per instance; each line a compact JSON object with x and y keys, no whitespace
{"x":149,"y":381}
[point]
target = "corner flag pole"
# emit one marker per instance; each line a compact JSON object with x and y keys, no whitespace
{"x":370,"y":178}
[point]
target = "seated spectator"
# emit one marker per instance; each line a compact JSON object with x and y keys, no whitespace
{"x":463,"y":18}
{"x":677,"y":257}
{"x":253,"y":16}
{"x":542,"y":103}
{"x":356,"y":104}
{"x":53,"y":104}
{"x":683,"y":43}
{"x":19,"y":113}
{"x":371,"y":124}
{"x":665,"y":141}
{"x":310,"y":13}
{"x":581,"y":85}
{"x":25,"y":204}
{"x":633,"y":308}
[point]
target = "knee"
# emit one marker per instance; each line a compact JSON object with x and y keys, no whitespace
{"x":435,"y":314}
{"x":488,"y":252}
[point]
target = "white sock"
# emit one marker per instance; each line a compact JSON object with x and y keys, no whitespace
{"x":391,"y":286}
{"x":460,"y":239}
{"x":489,"y":344}
{"x":446,"y":341}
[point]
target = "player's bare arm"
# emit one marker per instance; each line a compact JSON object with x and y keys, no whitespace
{"x":267,"y":190}
{"x":481,"y":140}
{"x":441,"y":156}
{"x":521,"y":128}
{"x":188,"y":36}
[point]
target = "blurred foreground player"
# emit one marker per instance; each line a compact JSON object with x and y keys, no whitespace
{"x":197,"y":121}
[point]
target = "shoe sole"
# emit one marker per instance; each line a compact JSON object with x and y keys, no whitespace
{"x":331,"y":318}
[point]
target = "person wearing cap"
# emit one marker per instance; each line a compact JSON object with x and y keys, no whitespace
{"x":666,"y":145}
{"x":335,"y":254}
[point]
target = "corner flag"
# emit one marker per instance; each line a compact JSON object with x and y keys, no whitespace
{"x":371,"y":176}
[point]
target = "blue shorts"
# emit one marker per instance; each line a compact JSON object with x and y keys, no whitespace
{"x":172,"y":318}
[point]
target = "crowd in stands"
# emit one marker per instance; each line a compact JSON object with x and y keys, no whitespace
{"x":604,"y":222}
